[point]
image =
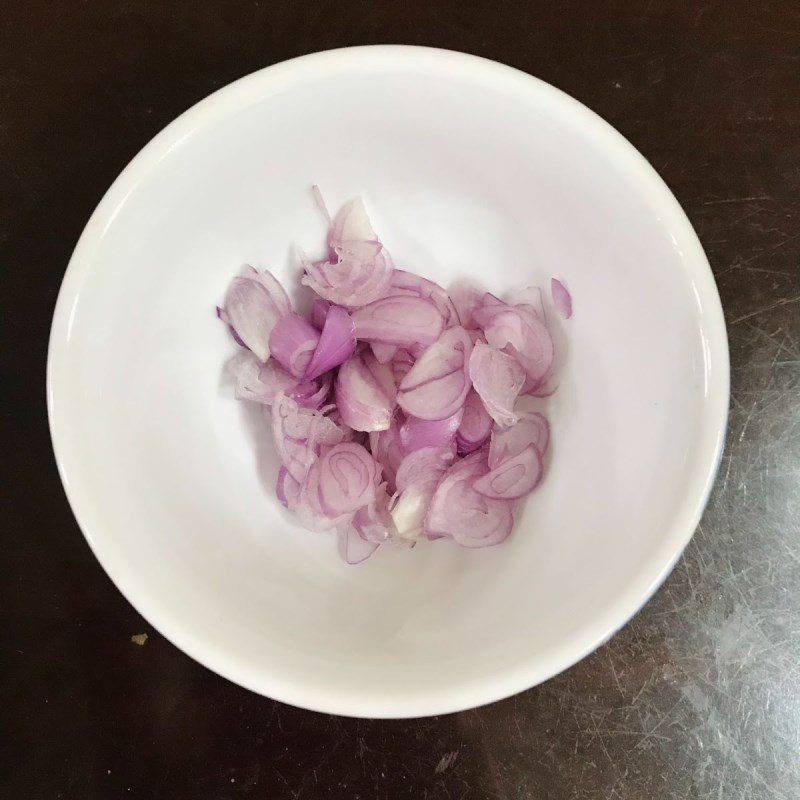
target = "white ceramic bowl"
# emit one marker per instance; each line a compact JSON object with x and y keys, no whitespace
{"x":469,"y":170}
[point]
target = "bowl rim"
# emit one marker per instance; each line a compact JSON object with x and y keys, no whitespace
{"x":686,"y":517}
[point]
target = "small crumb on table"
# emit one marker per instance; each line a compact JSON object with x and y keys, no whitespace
{"x":139,"y":638}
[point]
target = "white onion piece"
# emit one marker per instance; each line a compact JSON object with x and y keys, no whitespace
{"x":361,"y":401}
{"x":417,"y":478}
{"x":347,"y":477}
{"x":497,"y":378}
{"x":336,"y":344}
{"x":562,"y":299}
{"x":513,"y":478}
{"x":476,"y":424}
{"x":401,"y":320}
{"x":459,"y":511}
{"x":532,"y":428}
{"x":435,"y":387}
{"x":418,"y":433}
{"x":253,"y":305}
{"x":411,"y":283}
{"x":292,"y":342}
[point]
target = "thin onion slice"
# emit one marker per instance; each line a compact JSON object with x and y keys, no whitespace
{"x":373,"y":521}
{"x":476,"y":424}
{"x":362,"y":402}
{"x":459,"y":511}
{"x":413,"y":284}
{"x":435,"y":387}
{"x":562,"y":299}
{"x":512,"y":478}
{"x":417,"y":478}
{"x":351,"y":224}
{"x":253,"y":305}
{"x":359,"y":270}
{"x":336,"y":344}
{"x":319,"y":311}
{"x":387,"y":450}
{"x":354,"y":548}
{"x":532,"y":428}
{"x":256,"y":381}
{"x":497,"y":378}
{"x":299,"y":433}
{"x":287,"y":489}
{"x":418,"y":433}
{"x":347,"y":477}
{"x":311,"y":394}
{"x":401,"y":320}
{"x":292,"y":342}
{"x":384,"y":353}
{"x":520,"y":334}
{"x":401,"y":363}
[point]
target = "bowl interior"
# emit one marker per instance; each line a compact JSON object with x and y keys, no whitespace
{"x":469,"y":171}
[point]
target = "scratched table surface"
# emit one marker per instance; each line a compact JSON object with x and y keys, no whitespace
{"x":698,"y":697}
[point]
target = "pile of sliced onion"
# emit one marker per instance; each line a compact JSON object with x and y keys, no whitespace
{"x":396,"y":413}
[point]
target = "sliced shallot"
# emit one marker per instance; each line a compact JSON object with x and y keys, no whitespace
{"x":362,"y":402}
{"x":562,"y":299}
{"x":497,"y":378}
{"x":336,"y":344}
{"x":519,"y":333}
{"x":417,"y":478}
{"x":292,"y":342}
{"x":418,"y":433}
{"x":347,"y":478}
{"x":253,"y":305}
{"x":435,"y":387}
{"x":459,"y":511}
{"x":532,"y":428}
{"x":512,"y":478}
{"x":393,"y":402}
{"x":401,"y":320}
{"x":476,"y":424}
{"x":410,"y":283}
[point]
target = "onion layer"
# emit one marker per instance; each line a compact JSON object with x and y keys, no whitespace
{"x":400,"y":320}
{"x":459,"y":511}
{"x":436,"y":386}
{"x":253,"y":305}
{"x":292,"y":342}
{"x":362,"y":402}
{"x":497,"y":378}
{"x":336,"y":344}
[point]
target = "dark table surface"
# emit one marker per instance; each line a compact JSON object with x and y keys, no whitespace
{"x":696,"y":697}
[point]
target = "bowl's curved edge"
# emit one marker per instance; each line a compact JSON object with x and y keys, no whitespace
{"x":615,"y":616}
